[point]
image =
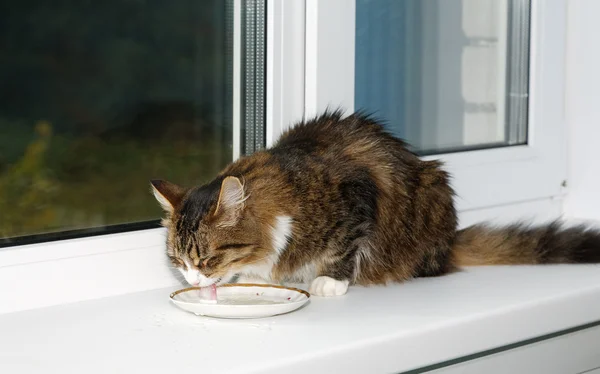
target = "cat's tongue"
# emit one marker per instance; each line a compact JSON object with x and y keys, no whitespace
{"x":208,"y":294}
{"x":213,"y":292}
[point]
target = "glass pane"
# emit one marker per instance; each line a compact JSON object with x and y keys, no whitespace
{"x":446,"y":75}
{"x":99,"y":97}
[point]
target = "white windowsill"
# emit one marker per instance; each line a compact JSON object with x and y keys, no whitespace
{"x":383,"y":329}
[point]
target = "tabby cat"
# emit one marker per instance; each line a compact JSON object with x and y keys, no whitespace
{"x":339,"y":201}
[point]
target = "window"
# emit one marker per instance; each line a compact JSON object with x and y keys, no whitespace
{"x":446,"y":75}
{"x":475,"y":83}
{"x":97,"y":98}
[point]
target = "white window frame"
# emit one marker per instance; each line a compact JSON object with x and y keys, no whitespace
{"x":286,"y":22}
{"x":310,"y":66}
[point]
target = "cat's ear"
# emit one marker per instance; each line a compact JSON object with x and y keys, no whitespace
{"x":231,"y":201}
{"x":169,"y":195}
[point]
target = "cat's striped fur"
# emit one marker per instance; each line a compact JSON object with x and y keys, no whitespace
{"x":357,"y":208}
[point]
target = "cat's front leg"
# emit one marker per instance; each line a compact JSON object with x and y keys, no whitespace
{"x":334,"y":278}
{"x":327,"y":286}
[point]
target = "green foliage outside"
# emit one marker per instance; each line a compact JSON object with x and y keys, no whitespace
{"x":63,"y":183}
{"x":96,"y":98}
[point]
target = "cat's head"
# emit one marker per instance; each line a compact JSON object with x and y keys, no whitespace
{"x":212,"y":233}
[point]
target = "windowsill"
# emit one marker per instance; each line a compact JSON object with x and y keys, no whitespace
{"x":383,"y":329}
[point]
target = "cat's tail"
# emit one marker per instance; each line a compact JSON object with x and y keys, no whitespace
{"x":521,"y":244}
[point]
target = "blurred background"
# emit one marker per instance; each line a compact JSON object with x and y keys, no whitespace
{"x":98,"y":97}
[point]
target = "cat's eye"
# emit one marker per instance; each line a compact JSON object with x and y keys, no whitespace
{"x":207,"y":262}
{"x":176,"y":261}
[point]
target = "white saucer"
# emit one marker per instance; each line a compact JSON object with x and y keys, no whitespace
{"x":241,"y":300}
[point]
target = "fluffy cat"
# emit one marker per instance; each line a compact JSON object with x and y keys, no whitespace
{"x":339,"y":201}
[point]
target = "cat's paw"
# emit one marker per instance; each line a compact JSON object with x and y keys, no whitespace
{"x":326,"y":286}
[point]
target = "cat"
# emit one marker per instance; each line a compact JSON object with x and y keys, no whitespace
{"x":336,"y":202}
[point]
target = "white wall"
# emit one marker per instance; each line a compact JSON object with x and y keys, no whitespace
{"x":583,"y":109}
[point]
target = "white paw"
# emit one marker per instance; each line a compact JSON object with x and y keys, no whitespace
{"x":326,"y":286}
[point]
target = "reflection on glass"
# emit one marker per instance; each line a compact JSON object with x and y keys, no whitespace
{"x":446,"y":74}
{"x":96,"y":98}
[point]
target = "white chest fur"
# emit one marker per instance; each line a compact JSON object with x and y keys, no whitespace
{"x":281,"y":232}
